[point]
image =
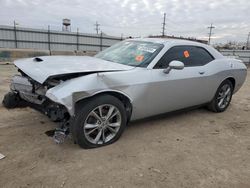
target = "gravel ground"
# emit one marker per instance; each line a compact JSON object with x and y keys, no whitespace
{"x":195,"y":148}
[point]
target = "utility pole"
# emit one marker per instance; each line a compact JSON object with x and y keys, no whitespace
{"x":15,"y":33}
{"x":77,"y":39}
{"x":210,"y":32}
{"x":248,"y":38}
{"x":97,"y":25}
{"x":101,"y":41}
{"x":49,"y":47}
{"x":164,"y":25}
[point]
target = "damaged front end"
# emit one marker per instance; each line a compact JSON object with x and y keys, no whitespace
{"x":25,"y":91}
{"x":54,"y":85}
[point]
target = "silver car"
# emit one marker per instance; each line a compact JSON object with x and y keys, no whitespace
{"x":94,"y":98}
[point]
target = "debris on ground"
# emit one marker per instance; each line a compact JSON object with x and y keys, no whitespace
{"x":215,"y":132}
{"x":154,"y":169}
{"x":2,"y":156}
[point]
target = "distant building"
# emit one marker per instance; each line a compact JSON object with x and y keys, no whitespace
{"x":183,"y":38}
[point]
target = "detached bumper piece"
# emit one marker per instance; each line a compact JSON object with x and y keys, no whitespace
{"x":11,"y":100}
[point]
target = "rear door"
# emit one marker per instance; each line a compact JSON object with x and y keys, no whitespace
{"x":180,"y":88}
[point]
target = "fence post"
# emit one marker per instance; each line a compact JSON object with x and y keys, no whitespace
{"x":15,"y":35}
{"x":49,"y":40}
{"x":101,"y":42}
{"x":77,"y":39}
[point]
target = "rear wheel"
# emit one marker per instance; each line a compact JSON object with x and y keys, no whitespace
{"x":222,"y":97}
{"x":99,"y":121}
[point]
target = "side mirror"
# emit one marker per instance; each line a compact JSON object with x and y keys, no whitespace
{"x":177,"y":65}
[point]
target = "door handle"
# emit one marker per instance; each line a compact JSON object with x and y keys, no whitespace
{"x":201,"y":72}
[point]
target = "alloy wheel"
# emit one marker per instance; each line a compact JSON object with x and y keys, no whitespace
{"x":102,"y":124}
{"x":224,"y":96}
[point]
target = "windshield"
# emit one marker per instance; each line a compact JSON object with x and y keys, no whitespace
{"x":133,"y":53}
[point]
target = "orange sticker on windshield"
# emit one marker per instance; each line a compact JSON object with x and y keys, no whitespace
{"x":139,"y":58}
{"x":186,"y":54}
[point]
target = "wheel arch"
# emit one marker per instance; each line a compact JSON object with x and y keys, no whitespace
{"x":231,"y":79}
{"x":124,"y":98}
{"x":212,"y":105}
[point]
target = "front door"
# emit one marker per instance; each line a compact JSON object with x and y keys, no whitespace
{"x":179,"y":88}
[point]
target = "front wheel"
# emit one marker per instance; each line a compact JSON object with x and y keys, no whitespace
{"x":222,"y":97}
{"x":99,"y":121}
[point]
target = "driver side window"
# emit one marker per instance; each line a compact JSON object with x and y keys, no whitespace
{"x":189,"y":55}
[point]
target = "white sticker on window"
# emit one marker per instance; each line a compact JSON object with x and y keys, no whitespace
{"x":146,"y":49}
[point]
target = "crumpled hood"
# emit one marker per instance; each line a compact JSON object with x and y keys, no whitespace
{"x":41,"y":68}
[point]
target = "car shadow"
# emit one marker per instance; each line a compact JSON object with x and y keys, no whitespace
{"x":168,"y":116}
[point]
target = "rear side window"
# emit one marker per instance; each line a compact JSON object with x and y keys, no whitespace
{"x":190,"y":55}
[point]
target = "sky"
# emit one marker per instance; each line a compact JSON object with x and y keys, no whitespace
{"x":137,"y":18}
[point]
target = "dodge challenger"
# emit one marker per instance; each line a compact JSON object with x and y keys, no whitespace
{"x":94,"y":98}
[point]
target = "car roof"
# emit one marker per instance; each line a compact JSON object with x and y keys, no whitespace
{"x":167,"y":41}
{"x":176,"y":42}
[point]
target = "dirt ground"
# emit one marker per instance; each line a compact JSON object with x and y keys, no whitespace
{"x":196,"y":148}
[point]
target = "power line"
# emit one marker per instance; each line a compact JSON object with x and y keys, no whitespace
{"x":210,"y":32}
{"x":164,"y":25}
{"x":97,"y":25}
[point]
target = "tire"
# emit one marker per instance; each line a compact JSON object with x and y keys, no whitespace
{"x":11,"y":100}
{"x":92,"y":118}
{"x":222,"y":100}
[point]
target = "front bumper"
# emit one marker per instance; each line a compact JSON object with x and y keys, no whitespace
{"x":33,"y":95}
